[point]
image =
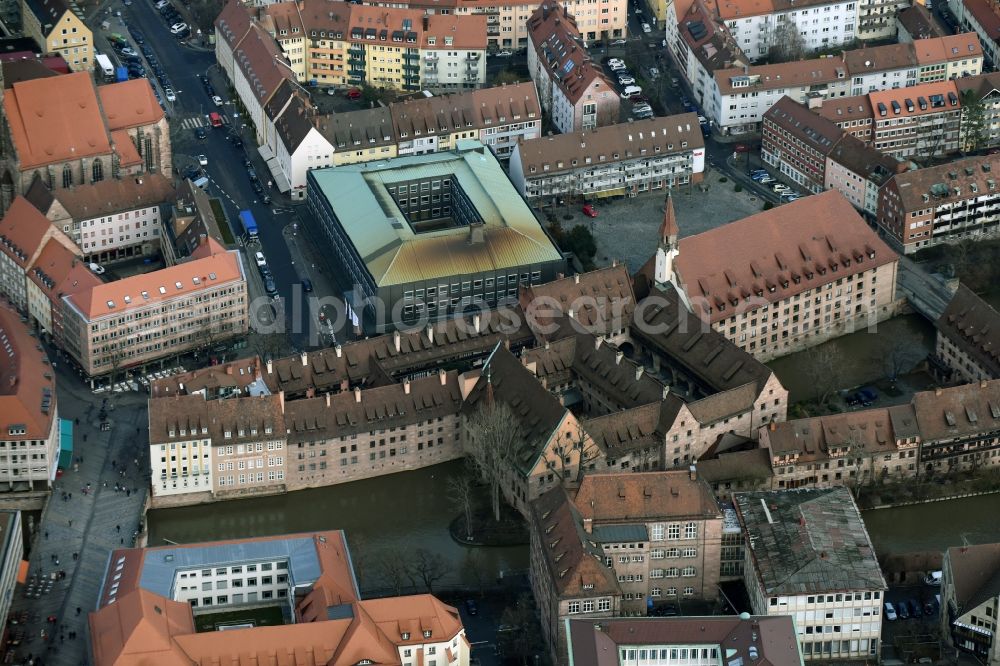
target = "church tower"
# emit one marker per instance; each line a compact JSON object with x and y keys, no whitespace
{"x":666,"y":250}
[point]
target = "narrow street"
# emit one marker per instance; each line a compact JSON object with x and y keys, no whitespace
{"x":94,"y":507}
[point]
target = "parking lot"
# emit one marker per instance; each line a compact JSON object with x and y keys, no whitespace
{"x":912,"y":637}
{"x":626,"y":229}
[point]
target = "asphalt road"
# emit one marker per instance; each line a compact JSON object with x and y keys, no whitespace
{"x":229,"y":180}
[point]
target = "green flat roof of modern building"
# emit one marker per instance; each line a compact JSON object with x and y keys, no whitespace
{"x":394,"y":253}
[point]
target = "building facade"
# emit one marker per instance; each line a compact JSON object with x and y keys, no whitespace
{"x":967,"y":339}
{"x":950,"y":203}
{"x":628,"y":158}
{"x":111,"y":219}
{"x":144,"y":318}
{"x":817,"y":25}
{"x":981,"y":17}
{"x":772,"y":285}
{"x":922,"y":121}
{"x":11,"y":555}
{"x":572,"y":89}
{"x":309,"y":577}
{"x":445,"y":193}
{"x":59,"y":28}
{"x":970,"y":600}
{"x":30,"y":427}
{"x":809,"y":556}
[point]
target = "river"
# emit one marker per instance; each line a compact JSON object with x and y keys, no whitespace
{"x":859,"y":355}
{"x":935,"y":525}
{"x":396,"y":513}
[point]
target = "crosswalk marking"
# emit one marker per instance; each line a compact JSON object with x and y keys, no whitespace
{"x":195,"y":122}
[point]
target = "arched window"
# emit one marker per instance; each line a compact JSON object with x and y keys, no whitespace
{"x":97,"y":173}
{"x":67,"y":176}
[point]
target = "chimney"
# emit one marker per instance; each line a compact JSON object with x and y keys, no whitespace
{"x":406,"y":386}
{"x":639,"y":369}
{"x":475,"y":322}
{"x":357,"y":394}
{"x":576,"y":279}
{"x":339,"y":350}
{"x":619,"y":355}
{"x":772,"y":426}
{"x":180,"y":387}
{"x":270,"y":367}
{"x":327,"y":398}
{"x":597,"y":341}
{"x":570,"y":313}
{"x":982,"y":384}
{"x":305,"y":358}
{"x":281,"y":400}
{"x":443,"y":376}
{"x":229,"y":369}
{"x":937,"y":391}
{"x":588,"y":525}
{"x":430,"y":333}
{"x":395,"y":340}
{"x":693,"y":472}
{"x":666,"y":392}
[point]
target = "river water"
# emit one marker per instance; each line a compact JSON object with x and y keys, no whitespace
{"x":400,"y":512}
{"x":859,"y":355}
{"x":935,"y":525}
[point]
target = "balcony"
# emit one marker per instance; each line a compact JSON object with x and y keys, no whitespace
{"x":472,"y":56}
{"x":431,"y":67}
{"x":431,"y":57}
{"x":355,"y":51}
{"x":411,"y":68}
{"x":411,"y":56}
{"x":493,"y":30}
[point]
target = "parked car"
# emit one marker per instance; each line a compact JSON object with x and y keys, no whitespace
{"x":200,"y":133}
{"x":178,"y":28}
{"x":642,"y":108}
{"x":137,"y":36}
{"x":503,"y":54}
{"x":217,"y":100}
{"x":867,"y":396}
{"x":203,"y":160}
{"x":614,"y":67}
{"x":470,"y":606}
{"x":589,"y":210}
{"x":619,"y":42}
{"x":890,"y":612}
{"x":643,"y":115}
{"x":646,"y":28}
{"x":933,"y":578}
{"x":269,"y":286}
{"x":780,"y":187}
{"x":353,"y":93}
{"x":169,"y":92}
{"x":915,"y":610}
{"x":930,"y":609}
{"x":616,"y":61}
{"x":902,"y":611}
{"x":307,"y":286}
{"x":631,"y":90}
{"x":766,"y":180}
{"x":654,"y":72}
{"x":128,"y":51}
{"x":626,"y":81}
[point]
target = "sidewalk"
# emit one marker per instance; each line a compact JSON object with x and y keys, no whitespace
{"x":89,"y":524}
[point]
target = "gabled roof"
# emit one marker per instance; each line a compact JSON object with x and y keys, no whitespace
{"x":27,"y":384}
{"x":919,"y":22}
{"x":601,"y":300}
{"x":140,"y":290}
{"x":573,"y":561}
{"x":975,"y":574}
{"x":948,"y":183}
{"x":773,"y":255}
{"x":986,"y":14}
{"x":257,"y":57}
{"x":958,"y":411}
{"x":974,"y":327}
{"x":56,"y":119}
{"x":808,"y":541}
{"x":111,"y":196}
{"x":539,"y":412}
{"x":52,"y":270}
{"x":763,"y":641}
{"x":140,"y":628}
{"x":814,"y":131}
{"x":21,"y":231}
{"x":233,"y":23}
{"x":645,"y":497}
{"x":129,"y":104}
{"x":553,"y":33}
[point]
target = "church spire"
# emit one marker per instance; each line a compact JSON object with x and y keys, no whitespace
{"x":666,"y":250}
{"x":668,"y":230}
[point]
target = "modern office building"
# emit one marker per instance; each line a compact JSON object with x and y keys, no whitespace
{"x":809,"y":556}
{"x":423,"y":238}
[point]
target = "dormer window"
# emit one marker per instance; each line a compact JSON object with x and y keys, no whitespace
{"x":427,"y":633}
{"x":406,"y":635}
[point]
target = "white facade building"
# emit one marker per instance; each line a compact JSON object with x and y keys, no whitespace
{"x":822,"y":26}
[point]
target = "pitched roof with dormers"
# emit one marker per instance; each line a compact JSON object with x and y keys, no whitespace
{"x":973,"y":325}
{"x":27,"y":383}
{"x":553,"y":33}
{"x":640,"y":497}
{"x":771,"y":256}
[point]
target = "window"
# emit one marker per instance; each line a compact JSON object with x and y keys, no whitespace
{"x":674,"y":531}
{"x":688,"y":572}
{"x":574,"y":607}
{"x":588,"y":606}
{"x":656,"y":534}
{"x":97,"y":171}
{"x":67,"y":176}
{"x":604,"y":604}
{"x":691,"y":531}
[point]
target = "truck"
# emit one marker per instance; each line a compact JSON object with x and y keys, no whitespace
{"x":248,"y":223}
{"x":121,"y":74}
{"x":104,"y":62}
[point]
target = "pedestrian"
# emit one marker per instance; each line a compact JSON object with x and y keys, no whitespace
{"x":71,"y":522}
{"x":113,"y":464}
{"x":71,"y":495}
{"x":75,"y":556}
{"x":78,"y":610}
{"x":46,"y":534}
{"x":128,"y":493}
{"x":118,"y":528}
{"x":121,"y":541}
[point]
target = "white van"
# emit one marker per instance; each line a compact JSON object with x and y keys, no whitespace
{"x":631,"y":90}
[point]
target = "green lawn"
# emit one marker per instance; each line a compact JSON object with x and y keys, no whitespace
{"x":259,"y":617}
{"x":222,"y":221}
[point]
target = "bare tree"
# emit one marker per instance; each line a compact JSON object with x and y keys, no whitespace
{"x":427,"y":568}
{"x":391,"y":567}
{"x":579,"y":450}
{"x":787,"y":43}
{"x":523,"y":639}
{"x":856,"y":455}
{"x":896,"y":357}
{"x":461,"y":494}
{"x":823,"y":366}
{"x":494,"y":435}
